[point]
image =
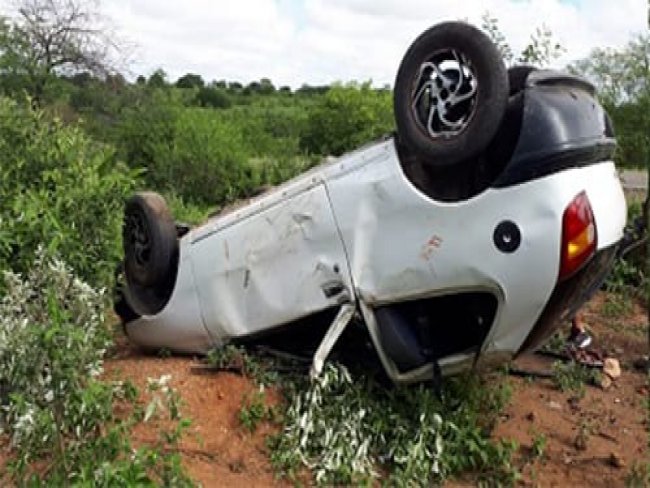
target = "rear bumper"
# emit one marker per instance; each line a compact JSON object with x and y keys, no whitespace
{"x":568,"y":296}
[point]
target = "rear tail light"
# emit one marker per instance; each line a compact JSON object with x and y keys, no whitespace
{"x":579,"y":239}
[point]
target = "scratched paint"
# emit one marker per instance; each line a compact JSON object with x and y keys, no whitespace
{"x":357,"y":231}
{"x":430,"y":247}
{"x":279,"y":270}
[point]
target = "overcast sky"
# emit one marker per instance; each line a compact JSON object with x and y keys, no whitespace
{"x":320,"y":41}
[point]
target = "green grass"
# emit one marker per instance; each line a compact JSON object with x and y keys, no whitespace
{"x":572,"y":377}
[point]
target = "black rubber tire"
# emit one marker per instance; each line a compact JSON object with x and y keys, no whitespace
{"x":517,"y":76}
{"x":492,"y":94}
{"x":153,"y":267}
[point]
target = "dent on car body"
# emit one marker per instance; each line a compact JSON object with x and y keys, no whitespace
{"x":445,"y":269}
{"x":357,"y":231}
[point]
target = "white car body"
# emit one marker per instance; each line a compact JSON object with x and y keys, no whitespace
{"x":357,"y":231}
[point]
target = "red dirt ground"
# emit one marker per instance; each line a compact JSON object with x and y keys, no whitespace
{"x":614,"y":422}
{"x":218,"y":452}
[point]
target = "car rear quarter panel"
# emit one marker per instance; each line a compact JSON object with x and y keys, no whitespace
{"x":403,"y":245}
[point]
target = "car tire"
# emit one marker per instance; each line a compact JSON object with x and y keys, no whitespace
{"x":149,"y":240}
{"x":450,"y":94}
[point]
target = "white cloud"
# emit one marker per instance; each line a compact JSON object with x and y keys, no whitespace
{"x":319,"y":41}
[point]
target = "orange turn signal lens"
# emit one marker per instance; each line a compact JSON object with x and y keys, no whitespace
{"x":579,"y":237}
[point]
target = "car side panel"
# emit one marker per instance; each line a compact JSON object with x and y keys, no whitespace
{"x":403,"y":245}
{"x":271,"y":267}
{"x":179,"y":326}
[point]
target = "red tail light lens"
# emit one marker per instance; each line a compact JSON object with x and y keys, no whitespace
{"x":579,"y":239}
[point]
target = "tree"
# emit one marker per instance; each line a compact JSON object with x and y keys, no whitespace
{"x":158,"y":79}
{"x":212,"y":97}
{"x":48,"y":37}
{"x":190,"y":80}
{"x":541,"y":50}
{"x":235,"y":86}
{"x":266,"y":86}
{"x":622,"y":77}
{"x":252,"y":88}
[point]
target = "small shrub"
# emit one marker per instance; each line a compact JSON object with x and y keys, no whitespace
{"x":585,"y":431}
{"x":346,"y":117}
{"x":58,"y":187}
{"x":539,"y":446}
{"x":187,"y":212}
{"x":53,"y":406}
{"x":572,"y":376}
{"x":254,"y":410}
{"x":212,"y":97}
{"x":639,"y":475}
{"x":557,"y":343}
{"x":233,"y":357}
{"x":628,"y":278}
{"x":616,"y":304}
{"x":226,"y":357}
{"x":348,"y":430}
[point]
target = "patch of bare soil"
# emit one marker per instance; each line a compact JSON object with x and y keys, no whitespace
{"x":590,"y":441}
{"x":216,"y":450}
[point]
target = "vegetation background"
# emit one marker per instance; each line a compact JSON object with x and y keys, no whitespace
{"x":77,"y":137}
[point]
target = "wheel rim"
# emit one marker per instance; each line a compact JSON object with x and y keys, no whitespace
{"x":444,"y":94}
{"x":138,"y":239}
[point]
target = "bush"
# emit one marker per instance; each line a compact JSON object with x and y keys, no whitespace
{"x":348,"y":431}
{"x":212,"y":97}
{"x":60,"y":188}
{"x":212,"y":157}
{"x":346,"y":117}
{"x":52,"y":341}
{"x":53,"y":405}
{"x":207,"y":161}
{"x":629,"y":277}
{"x":147,"y":130}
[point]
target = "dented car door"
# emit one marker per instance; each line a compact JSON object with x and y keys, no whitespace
{"x":272,"y":263}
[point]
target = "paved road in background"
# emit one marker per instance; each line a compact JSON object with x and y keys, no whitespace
{"x":634,"y":179}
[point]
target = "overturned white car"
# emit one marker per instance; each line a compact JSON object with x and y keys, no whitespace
{"x":487,"y":220}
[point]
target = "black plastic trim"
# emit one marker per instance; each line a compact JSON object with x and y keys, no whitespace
{"x":416,"y":332}
{"x":540,"y":165}
{"x":562,"y":126}
{"x":547,"y":77}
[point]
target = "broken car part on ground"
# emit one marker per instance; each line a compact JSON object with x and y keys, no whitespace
{"x":485,"y":221}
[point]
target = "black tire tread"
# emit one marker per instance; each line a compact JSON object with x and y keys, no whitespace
{"x":163,"y":235}
{"x":491,"y":102}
